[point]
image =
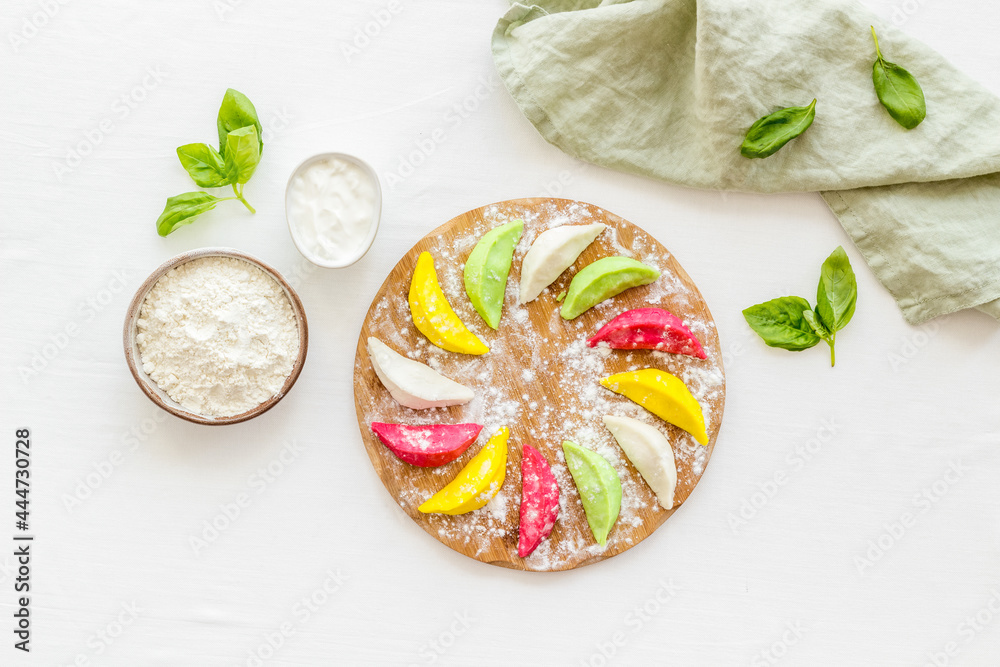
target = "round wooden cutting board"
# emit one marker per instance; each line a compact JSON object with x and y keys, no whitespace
{"x":541,"y":380}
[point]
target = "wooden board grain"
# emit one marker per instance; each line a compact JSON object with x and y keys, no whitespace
{"x":541,"y":380}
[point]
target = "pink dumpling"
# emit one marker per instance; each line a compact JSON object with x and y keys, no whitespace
{"x":539,"y":501}
{"x":649,"y":329}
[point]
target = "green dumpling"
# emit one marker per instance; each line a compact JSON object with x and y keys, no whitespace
{"x":487,"y":268}
{"x":599,"y":487}
{"x":602,"y":280}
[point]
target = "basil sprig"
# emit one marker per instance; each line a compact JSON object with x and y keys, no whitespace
{"x":236,"y":160}
{"x":770,"y":133}
{"x":898,"y":91}
{"x":789,"y":322}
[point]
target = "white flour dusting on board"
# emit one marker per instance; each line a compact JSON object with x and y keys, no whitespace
{"x":542,"y":380}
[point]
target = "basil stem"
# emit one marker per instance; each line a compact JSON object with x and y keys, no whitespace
{"x":239,"y":196}
{"x":898,"y":90}
{"x":770,"y":133}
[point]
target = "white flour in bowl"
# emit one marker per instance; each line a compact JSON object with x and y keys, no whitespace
{"x":218,"y":335}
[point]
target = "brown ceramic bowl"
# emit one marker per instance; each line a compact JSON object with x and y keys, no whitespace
{"x":160,"y":397}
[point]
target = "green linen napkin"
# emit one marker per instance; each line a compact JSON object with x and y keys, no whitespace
{"x":668,"y":88}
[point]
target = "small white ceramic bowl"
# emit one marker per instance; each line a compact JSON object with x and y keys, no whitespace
{"x":157,"y":395}
{"x":363,"y":250}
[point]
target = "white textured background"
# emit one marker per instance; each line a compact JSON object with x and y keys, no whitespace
{"x":905,"y":403}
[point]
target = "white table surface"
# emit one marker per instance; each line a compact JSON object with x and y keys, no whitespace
{"x":115,"y":579}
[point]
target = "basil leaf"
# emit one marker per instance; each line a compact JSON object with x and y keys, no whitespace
{"x":237,"y":111}
{"x":898,"y":91}
{"x":837,"y":294}
{"x":242,"y":154}
{"x":812,"y":319}
{"x":770,"y":133}
{"x":183,"y":209}
{"x":204,"y":164}
{"x":780,"y":323}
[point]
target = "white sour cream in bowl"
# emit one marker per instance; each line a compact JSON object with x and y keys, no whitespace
{"x":333,"y":203}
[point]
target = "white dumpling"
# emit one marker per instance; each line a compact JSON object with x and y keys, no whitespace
{"x":649,"y":452}
{"x":553,"y":252}
{"x":413,"y":384}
